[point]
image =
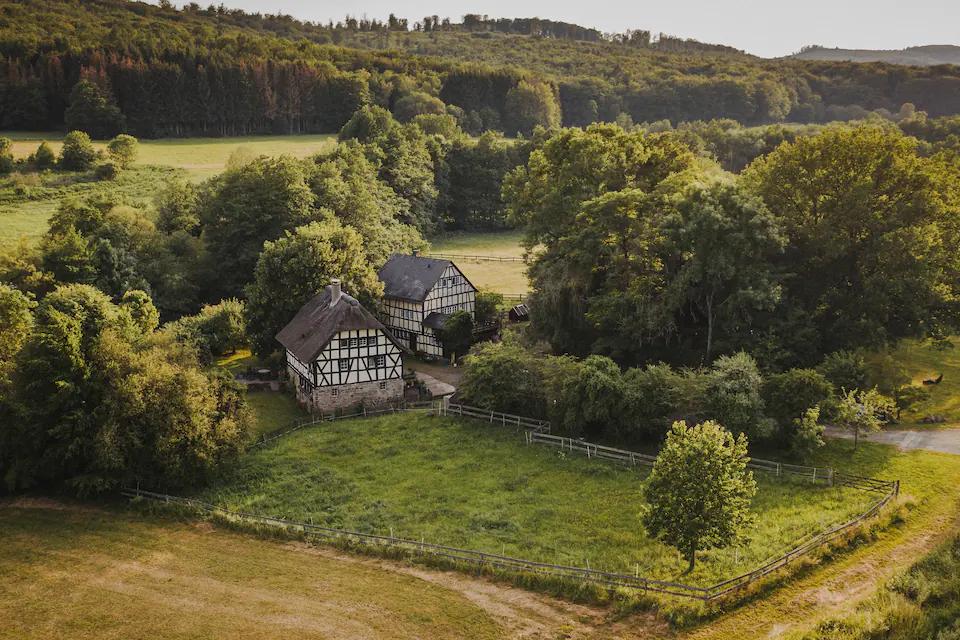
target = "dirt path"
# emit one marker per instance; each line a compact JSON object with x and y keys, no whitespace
{"x":835,"y":588}
{"x":179,"y":567}
{"x":942,"y":440}
{"x":523,"y":614}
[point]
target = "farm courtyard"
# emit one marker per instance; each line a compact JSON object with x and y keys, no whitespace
{"x":466,"y":484}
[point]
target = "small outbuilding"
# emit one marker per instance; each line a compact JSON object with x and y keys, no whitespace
{"x":339,"y":355}
{"x":519,"y":313}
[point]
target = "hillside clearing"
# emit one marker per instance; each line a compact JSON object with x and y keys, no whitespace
{"x":79,"y":572}
{"x":201,"y":158}
{"x":468,"y":485}
{"x":922,"y":361}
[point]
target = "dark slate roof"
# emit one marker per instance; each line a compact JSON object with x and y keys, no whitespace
{"x":435,"y":320}
{"x":317,"y":322}
{"x":410,"y":277}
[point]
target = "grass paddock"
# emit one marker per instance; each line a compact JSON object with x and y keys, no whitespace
{"x":473,"y":486}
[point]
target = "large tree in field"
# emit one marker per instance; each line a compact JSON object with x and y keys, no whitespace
{"x":873,"y":245}
{"x":698,"y":494}
{"x":296,"y":267}
{"x":247,"y":206}
{"x":596,"y":201}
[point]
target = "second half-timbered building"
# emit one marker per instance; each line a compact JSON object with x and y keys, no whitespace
{"x":419,"y":294}
{"x":339,"y":355}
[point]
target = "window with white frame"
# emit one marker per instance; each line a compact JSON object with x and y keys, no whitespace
{"x":344,"y":364}
{"x":377,"y":362}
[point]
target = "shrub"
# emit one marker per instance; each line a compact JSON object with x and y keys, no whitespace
{"x":123,"y":150}
{"x":457,"y":333}
{"x":77,"y":153}
{"x":6,"y":156}
{"x":788,"y":395}
{"x":108,"y":170}
{"x":487,"y":306}
{"x":43,"y":158}
{"x":845,"y":369}
{"x":504,"y":377}
{"x":733,"y":396}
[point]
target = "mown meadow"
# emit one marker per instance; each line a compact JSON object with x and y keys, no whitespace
{"x":82,"y":572}
{"x":464,"y":484}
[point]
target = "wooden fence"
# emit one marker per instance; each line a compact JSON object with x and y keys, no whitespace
{"x":634,"y":458}
{"x":474,"y":258}
{"x":538,"y":431}
{"x":416,"y":548}
{"x":531,"y":425}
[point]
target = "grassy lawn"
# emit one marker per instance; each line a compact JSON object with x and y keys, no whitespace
{"x":273,"y":410}
{"x":83,"y":573}
{"x":924,"y":361}
{"x":465,"y":484}
{"x":503,"y":277}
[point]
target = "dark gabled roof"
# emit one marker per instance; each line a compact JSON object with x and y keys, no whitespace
{"x":435,"y":320}
{"x":410,"y":277}
{"x":317,"y":322}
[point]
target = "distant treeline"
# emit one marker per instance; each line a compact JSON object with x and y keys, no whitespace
{"x":164,"y":72}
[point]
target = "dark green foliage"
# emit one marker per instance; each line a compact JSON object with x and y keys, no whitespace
{"x":529,"y":105}
{"x":417,"y":103}
{"x":367,"y":124}
{"x":476,"y":169}
{"x":99,"y":403}
{"x":77,"y":153}
{"x":487,"y":306}
{"x":6,"y":156}
{"x":873,"y":252}
{"x":457,"y":333}
{"x":93,"y":111}
{"x":655,"y":395}
{"x":244,"y":207}
{"x":846,"y":370}
{"x":43,"y":158}
{"x":504,"y":377}
{"x":177,"y":208}
{"x":733,"y":396}
{"x":217,"y":330}
{"x":787,"y":396}
{"x":295,"y":268}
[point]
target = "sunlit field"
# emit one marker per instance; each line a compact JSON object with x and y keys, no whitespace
{"x":478,"y":487}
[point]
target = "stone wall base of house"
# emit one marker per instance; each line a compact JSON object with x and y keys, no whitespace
{"x":348,"y":396}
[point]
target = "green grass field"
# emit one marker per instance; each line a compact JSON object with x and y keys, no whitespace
{"x":26,"y":202}
{"x":922,"y":361}
{"x":502,"y":277}
{"x":81,"y":573}
{"x":465,"y":484}
{"x":200,"y":157}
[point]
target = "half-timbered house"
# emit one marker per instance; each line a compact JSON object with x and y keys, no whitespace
{"x":339,"y":355}
{"x":419,"y":294}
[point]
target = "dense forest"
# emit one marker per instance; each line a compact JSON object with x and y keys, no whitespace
{"x":156,"y":71}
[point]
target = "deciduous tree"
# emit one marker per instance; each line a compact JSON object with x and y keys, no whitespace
{"x":699,"y":492}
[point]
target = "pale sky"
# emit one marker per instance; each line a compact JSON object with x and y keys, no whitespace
{"x":763,"y":27}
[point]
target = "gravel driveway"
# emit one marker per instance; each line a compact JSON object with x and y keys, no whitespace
{"x":943,"y":440}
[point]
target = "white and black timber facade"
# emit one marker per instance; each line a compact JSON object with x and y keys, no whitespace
{"x":339,"y":355}
{"x":419,"y":294}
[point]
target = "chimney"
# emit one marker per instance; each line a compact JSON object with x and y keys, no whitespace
{"x":416,"y":253}
{"x":334,"y":291}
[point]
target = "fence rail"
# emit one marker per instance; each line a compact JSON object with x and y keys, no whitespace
{"x":532,"y":425}
{"x":538,"y":431}
{"x":474,"y":258}
{"x":414,"y":548}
